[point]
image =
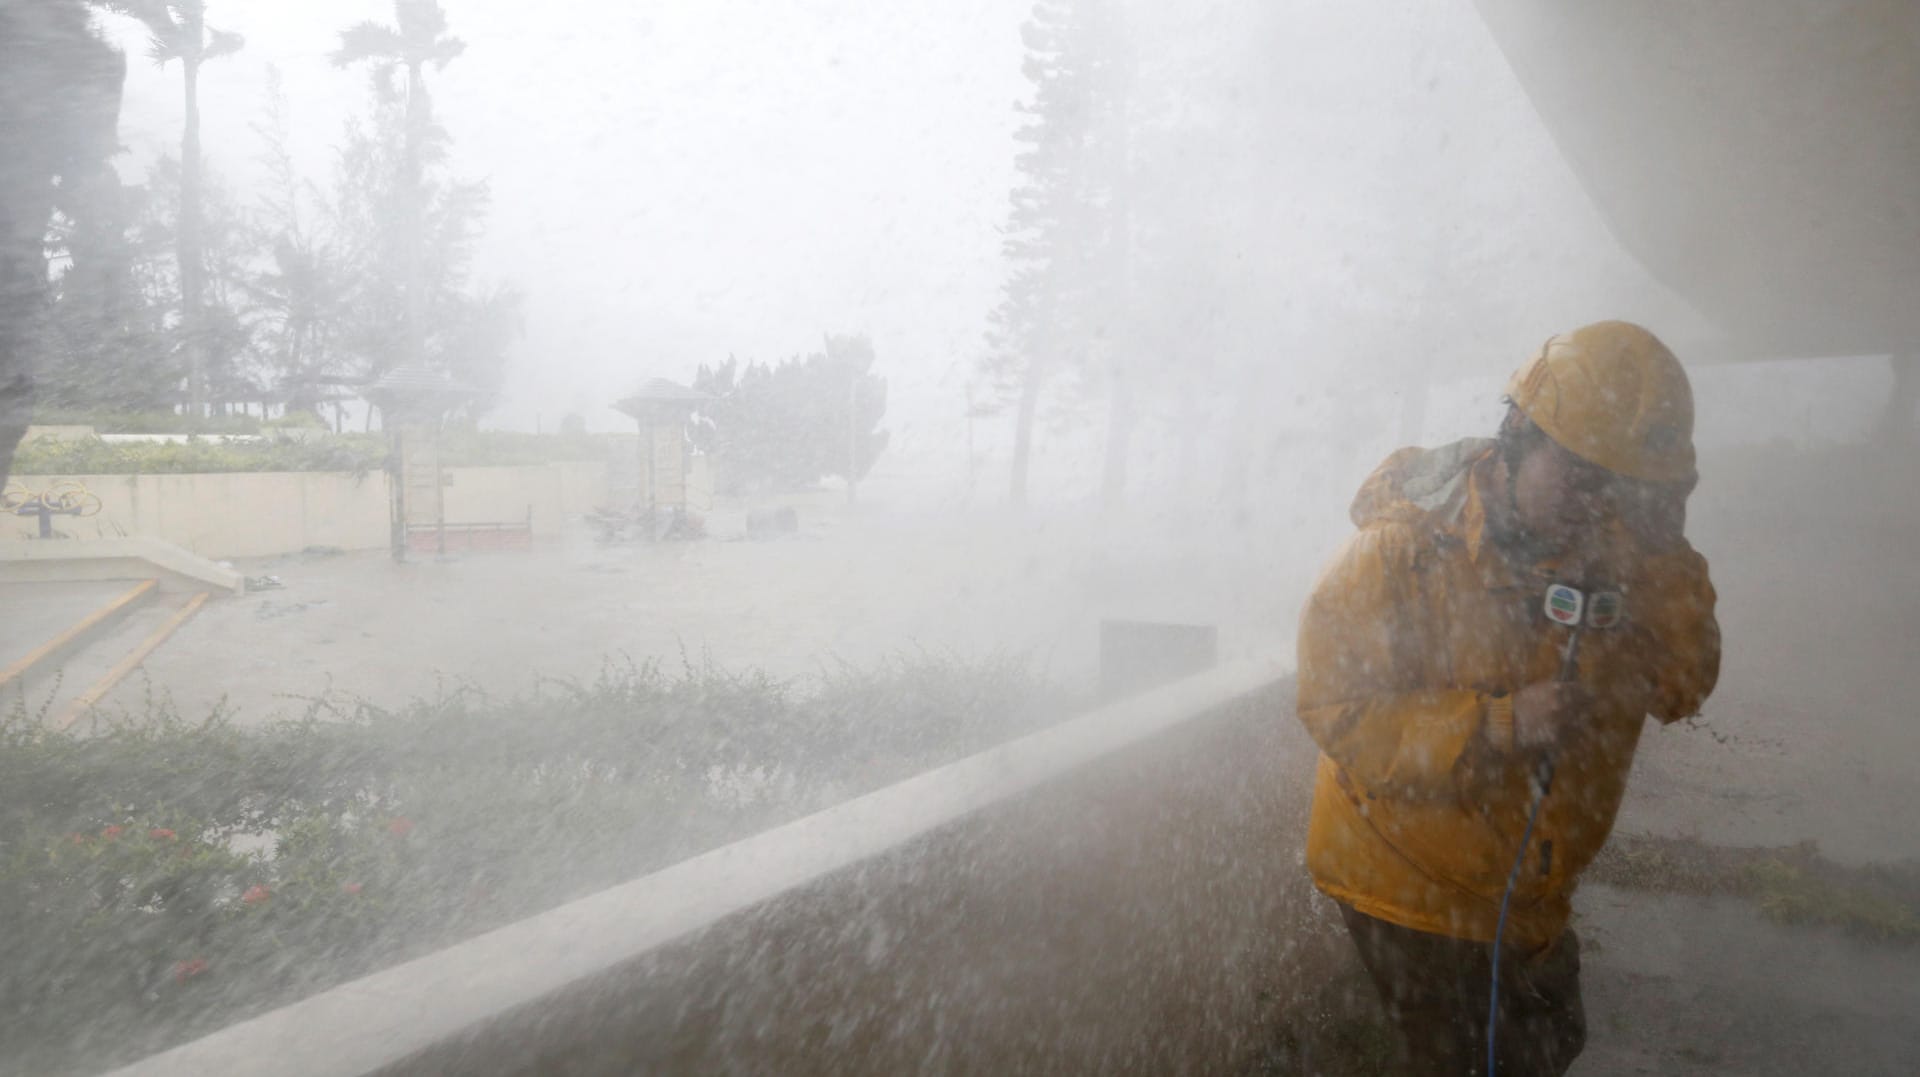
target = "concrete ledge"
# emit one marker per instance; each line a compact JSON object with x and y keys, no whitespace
{"x":1044,"y":904}
{"x":137,"y":558}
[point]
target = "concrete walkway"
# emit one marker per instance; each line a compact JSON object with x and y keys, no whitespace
{"x":853,"y":588}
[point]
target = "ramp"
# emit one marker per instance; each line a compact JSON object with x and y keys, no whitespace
{"x":137,"y":558}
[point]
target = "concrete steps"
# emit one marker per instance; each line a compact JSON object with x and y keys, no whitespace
{"x":42,"y":632}
{"x":70,"y":677}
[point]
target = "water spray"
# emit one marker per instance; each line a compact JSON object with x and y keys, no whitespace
{"x":1578,"y":610}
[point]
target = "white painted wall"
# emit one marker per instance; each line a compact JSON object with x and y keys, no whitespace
{"x":259,"y":514}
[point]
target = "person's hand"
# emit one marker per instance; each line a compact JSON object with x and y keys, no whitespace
{"x":1654,"y":513}
{"x":1600,"y":560}
{"x":1546,"y":715}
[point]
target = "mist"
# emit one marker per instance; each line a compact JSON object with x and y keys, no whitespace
{"x":815,"y":536}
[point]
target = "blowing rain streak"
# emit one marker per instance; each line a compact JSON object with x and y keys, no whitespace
{"x":959,"y":536}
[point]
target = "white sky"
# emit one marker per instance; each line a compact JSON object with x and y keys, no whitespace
{"x":680,"y":179}
{"x":677,"y":180}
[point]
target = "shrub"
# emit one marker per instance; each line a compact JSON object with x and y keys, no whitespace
{"x":161,"y":878}
{"x":352,"y":452}
{"x":147,"y":422}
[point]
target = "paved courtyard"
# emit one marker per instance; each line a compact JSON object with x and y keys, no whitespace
{"x":850,"y":587}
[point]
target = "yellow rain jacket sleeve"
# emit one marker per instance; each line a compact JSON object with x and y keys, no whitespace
{"x":1673,"y":610}
{"x":1365,"y":693}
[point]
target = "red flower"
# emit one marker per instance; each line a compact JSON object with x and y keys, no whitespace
{"x":255,"y":895}
{"x":161,"y":833}
{"x":400,"y":826}
{"x":77,"y":839}
{"x":187,"y":970}
{"x":349,"y":888}
{"x":111,"y":832}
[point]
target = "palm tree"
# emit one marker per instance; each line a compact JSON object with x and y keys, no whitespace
{"x":418,"y":38}
{"x":178,"y":30}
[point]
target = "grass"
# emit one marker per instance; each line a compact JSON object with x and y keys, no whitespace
{"x":1791,"y":884}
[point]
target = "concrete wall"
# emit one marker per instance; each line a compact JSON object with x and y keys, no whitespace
{"x":1121,"y":893}
{"x":1139,"y":916}
{"x":257,"y":514}
{"x":57,"y":433}
{"x":556,"y":493}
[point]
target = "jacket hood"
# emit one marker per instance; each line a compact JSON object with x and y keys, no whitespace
{"x":1414,"y":483}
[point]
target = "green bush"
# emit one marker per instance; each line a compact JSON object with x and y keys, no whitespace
{"x":161,"y":878}
{"x":296,"y":420}
{"x":147,"y":422}
{"x":350,"y":452}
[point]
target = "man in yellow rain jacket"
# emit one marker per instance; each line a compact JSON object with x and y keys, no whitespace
{"x":1441,"y":694}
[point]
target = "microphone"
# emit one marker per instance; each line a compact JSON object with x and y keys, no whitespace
{"x":1579,"y":610}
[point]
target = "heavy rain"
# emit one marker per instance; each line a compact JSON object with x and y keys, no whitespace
{"x":959,"y":536}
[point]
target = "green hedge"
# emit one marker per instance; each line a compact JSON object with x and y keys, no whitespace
{"x":331,"y":452}
{"x":150,"y":422}
{"x":161,"y":878}
{"x":351,"y":452}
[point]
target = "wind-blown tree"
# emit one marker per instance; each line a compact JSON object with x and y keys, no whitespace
{"x":848,"y":361}
{"x":418,"y":39}
{"x":107,"y":345}
{"x":296,"y":300}
{"x":178,"y":30}
{"x":1113,"y":287}
{"x":227,"y":250}
{"x":464,"y":330}
{"x":59,"y":108}
{"x":786,"y":426}
{"x":298,"y":293}
{"x":1060,"y":299}
{"x":481,"y":327}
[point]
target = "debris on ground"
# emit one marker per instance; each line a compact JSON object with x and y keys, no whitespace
{"x":269,"y":609}
{"x":772,"y":523}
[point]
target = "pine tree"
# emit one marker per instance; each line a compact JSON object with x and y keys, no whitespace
{"x":1061,"y":238}
{"x":407,"y":230}
{"x":417,"y":39}
{"x":108,"y":345}
{"x":298,"y":291}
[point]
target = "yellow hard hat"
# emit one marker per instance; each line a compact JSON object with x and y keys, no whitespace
{"x":1612,"y":394}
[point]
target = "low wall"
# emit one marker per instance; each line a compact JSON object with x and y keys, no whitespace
{"x":1119,"y":894}
{"x":257,"y":514}
{"x":556,"y":493}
